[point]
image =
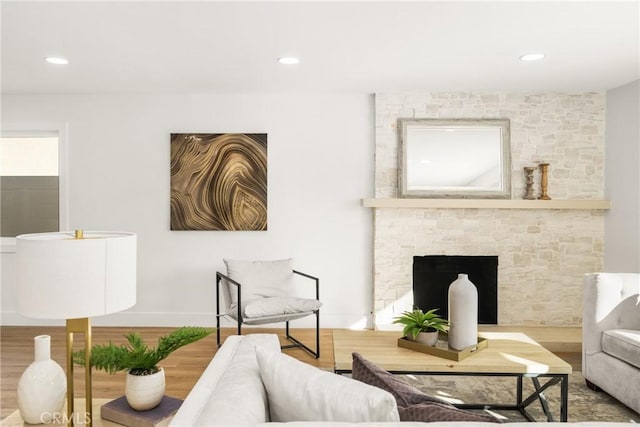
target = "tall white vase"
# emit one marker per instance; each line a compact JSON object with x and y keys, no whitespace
{"x":42,"y":386}
{"x":463,"y":313}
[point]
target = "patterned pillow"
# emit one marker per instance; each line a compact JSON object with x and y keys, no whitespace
{"x":405,"y":394}
{"x":413,"y":404}
{"x":433,"y":411}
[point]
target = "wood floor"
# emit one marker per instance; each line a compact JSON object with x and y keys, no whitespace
{"x":182,"y":368}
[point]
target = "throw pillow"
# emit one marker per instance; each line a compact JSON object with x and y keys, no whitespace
{"x":405,"y":394}
{"x":280,"y":306}
{"x":434,"y":411}
{"x":413,"y":404}
{"x":300,"y":392}
{"x":260,"y":279}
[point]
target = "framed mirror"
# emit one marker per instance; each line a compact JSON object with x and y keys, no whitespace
{"x":454,"y":158}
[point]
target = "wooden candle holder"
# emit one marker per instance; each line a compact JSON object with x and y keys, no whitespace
{"x":544,"y":181}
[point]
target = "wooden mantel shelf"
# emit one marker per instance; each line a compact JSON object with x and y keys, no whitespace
{"x":584,"y":204}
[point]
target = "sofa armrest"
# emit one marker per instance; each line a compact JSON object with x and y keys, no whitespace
{"x":230,"y":386}
{"x":610,"y":301}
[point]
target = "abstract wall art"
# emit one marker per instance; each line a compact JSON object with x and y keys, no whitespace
{"x":219,"y":181}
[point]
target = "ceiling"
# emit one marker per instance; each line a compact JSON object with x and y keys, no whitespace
{"x":345,"y":47}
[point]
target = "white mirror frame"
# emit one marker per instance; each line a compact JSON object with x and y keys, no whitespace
{"x":501,"y":190}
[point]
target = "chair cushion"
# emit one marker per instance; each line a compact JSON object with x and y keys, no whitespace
{"x":280,"y":306}
{"x":623,"y":344}
{"x":260,"y":279}
{"x":270,"y":319}
{"x":413,"y":404}
{"x":300,"y":392}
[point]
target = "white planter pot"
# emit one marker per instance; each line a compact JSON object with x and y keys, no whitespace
{"x":427,"y":338}
{"x":42,"y":386}
{"x":144,"y":392}
{"x":463,"y":313}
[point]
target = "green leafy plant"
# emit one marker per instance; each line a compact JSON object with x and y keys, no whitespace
{"x":135,"y":356}
{"x":417,"y":321}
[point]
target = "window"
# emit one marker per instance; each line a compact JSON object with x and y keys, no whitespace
{"x":31,"y":187}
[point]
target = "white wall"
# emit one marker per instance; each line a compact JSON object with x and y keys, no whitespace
{"x":622,"y":179}
{"x":320,"y":160}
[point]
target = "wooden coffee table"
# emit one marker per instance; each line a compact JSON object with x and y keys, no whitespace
{"x":508,"y":354}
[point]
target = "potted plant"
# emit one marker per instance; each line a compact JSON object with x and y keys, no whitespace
{"x":422,"y":327}
{"x":145,"y":382}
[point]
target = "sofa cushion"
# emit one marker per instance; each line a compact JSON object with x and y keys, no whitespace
{"x":260,"y":279}
{"x":238,"y":396}
{"x":300,"y":392}
{"x":623,"y":344}
{"x":413,"y":404}
{"x":280,"y":306}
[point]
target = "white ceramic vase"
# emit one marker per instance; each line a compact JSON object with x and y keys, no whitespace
{"x":144,"y":392}
{"x":463,"y":313}
{"x":43,"y":385}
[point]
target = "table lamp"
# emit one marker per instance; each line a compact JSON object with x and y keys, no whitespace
{"x":74,"y":276}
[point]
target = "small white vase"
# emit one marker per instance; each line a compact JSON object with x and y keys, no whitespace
{"x":427,"y":338}
{"x":144,"y":392}
{"x":43,"y":385}
{"x":463,"y":313}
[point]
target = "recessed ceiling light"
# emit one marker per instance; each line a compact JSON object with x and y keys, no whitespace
{"x":288,"y":60}
{"x":56,"y":60}
{"x":532,"y":57}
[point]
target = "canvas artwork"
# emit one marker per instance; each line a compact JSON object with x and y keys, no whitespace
{"x":218,"y":181}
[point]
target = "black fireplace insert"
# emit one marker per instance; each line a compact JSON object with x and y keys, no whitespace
{"x":432,"y":275}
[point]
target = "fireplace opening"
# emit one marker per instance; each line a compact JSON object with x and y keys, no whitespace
{"x":432,"y":275}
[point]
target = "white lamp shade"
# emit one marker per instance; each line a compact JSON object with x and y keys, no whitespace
{"x":60,"y":277}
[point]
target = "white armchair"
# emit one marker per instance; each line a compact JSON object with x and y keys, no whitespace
{"x":263,"y":292}
{"x":611,"y":335}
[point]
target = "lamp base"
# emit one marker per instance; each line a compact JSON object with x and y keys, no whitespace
{"x":82,"y":325}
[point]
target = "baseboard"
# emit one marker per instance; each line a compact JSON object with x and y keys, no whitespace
{"x":172,"y":319}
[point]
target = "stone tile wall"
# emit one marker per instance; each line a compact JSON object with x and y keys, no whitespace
{"x":543,"y":254}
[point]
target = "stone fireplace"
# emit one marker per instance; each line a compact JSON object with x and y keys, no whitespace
{"x":543,"y":253}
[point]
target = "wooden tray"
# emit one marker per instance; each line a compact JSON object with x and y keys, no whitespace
{"x":442,"y":349}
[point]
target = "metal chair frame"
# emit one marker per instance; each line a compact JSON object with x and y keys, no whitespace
{"x":295,"y":341}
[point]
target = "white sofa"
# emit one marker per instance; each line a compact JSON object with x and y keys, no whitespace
{"x":611,"y":335}
{"x":231,"y":392}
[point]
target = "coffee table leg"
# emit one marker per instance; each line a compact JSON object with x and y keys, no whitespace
{"x":538,"y":394}
{"x":519,"y":391}
{"x":543,"y":399}
{"x":564,"y":398}
{"x":522,"y":408}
